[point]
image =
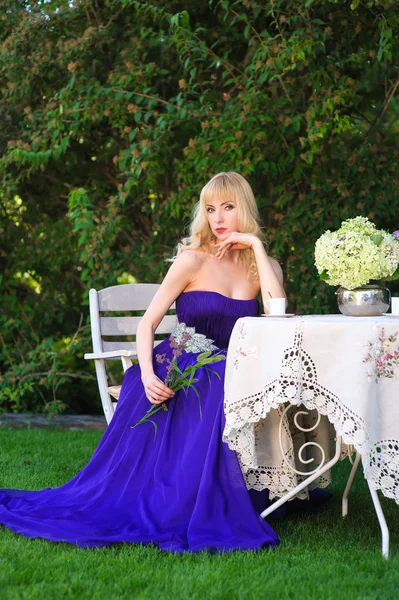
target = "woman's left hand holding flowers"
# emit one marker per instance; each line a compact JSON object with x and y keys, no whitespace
{"x":237,"y":241}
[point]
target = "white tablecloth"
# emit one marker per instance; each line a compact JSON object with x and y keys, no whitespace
{"x":344,"y":367}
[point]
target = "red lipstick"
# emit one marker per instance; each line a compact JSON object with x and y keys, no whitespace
{"x":221,"y":229}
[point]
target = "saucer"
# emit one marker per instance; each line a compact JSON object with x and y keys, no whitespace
{"x":390,"y":315}
{"x":279,"y":316}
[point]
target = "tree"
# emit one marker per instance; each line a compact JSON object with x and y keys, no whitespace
{"x":115,"y":113}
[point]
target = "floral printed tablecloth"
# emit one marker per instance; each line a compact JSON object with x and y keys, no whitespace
{"x":344,"y":368}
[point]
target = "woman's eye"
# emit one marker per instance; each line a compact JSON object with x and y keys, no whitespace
{"x":229,"y":206}
{"x":210,"y":209}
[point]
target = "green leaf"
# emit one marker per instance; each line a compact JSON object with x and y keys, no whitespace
{"x":214,"y":372}
{"x":394,"y":276}
{"x":377,"y":238}
{"x":324,"y":275}
{"x":297,"y":172}
{"x":155,"y":428}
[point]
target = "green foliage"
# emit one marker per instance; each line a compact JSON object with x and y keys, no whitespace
{"x":115,"y":114}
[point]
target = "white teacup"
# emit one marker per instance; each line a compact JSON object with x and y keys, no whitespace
{"x":395,"y":306}
{"x":276,"y":306}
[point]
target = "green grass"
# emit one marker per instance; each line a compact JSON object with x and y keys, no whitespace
{"x":321,"y":556}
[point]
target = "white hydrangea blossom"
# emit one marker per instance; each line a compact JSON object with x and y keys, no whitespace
{"x":356,"y":254}
{"x":358,"y":225}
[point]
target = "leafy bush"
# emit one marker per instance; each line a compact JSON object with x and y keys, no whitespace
{"x":115,"y":114}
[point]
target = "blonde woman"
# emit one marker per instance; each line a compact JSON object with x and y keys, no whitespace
{"x":182,"y":490}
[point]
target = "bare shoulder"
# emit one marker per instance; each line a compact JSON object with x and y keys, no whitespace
{"x":191,"y":259}
{"x":277,"y":269}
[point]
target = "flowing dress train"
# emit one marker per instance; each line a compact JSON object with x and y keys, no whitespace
{"x":181,"y":489}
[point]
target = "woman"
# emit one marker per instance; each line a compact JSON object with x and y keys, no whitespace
{"x":183,"y":489}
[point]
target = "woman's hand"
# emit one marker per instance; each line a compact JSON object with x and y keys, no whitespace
{"x":155,"y":390}
{"x":237,"y":241}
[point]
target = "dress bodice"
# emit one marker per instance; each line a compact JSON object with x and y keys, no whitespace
{"x":213,"y":314}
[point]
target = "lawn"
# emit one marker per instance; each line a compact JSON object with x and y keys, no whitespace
{"x":321,"y":555}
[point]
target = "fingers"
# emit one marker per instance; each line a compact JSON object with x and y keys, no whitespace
{"x":155,"y":401}
{"x":226,"y":245}
{"x":223,"y":248}
{"x":157,"y":397}
{"x":235,"y":241}
{"x":161,"y":388}
{"x":158,"y":392}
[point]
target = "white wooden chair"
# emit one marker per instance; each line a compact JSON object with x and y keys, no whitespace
{"x":120,"y":298}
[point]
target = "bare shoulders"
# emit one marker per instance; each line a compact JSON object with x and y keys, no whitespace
{"x":192,"y":256}
{"x":196,"y":256}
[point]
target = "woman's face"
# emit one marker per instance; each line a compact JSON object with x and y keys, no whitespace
{"x":222,"y":217}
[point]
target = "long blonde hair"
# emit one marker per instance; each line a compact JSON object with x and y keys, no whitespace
{"x":225,"y":186}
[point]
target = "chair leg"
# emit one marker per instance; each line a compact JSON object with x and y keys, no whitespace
{"x":126,"y":363}
{"x":102,"y":386}
{"x":349,"y":485}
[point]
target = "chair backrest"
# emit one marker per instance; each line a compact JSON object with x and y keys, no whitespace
{"x":128,"y":298}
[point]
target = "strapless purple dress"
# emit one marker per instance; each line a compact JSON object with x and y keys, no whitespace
{"x":183,"y":490}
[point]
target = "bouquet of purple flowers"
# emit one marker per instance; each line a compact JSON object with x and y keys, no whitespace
{"x":184,"y":339}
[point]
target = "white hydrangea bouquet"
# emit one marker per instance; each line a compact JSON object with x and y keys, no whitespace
{"x":356,"y":254}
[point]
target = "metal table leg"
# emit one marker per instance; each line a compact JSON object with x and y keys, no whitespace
{"x":381,"y":521}
{"x":349,"y":485}
{"x":306,"y":482}
{"x":326,"y":467}
{"x":377,"y":506}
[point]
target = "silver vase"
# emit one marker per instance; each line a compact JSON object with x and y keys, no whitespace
{"x":367,"y":301}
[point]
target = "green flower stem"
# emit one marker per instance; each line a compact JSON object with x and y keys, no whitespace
{"x":152,"y":411}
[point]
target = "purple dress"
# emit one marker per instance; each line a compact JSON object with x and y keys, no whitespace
{"x":182,"y":491}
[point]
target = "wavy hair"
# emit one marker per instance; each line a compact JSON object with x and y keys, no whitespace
{"x":225,"y":186}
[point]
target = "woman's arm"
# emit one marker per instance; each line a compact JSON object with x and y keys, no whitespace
{"x":181,"y":273}
{"x":270,"y":275}
{"x":269,"y":270}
